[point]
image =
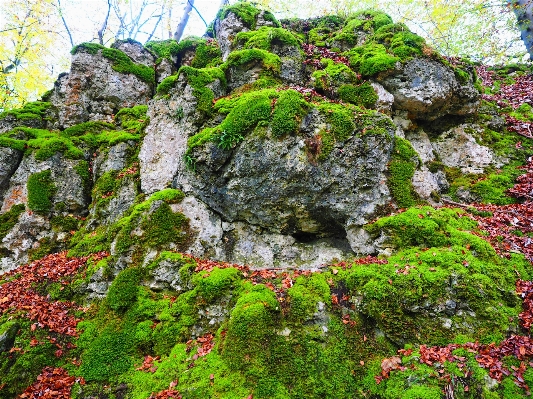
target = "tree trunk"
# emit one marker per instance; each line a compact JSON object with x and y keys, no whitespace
{"x":523,"y":10}
{"x":184,"y":20}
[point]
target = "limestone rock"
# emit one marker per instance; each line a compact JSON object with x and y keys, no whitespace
{"x":9,"y":162}
{"x":172,"y":121}
{"x":93,"y":90}
{"x":8,"y":334}
{"x":135,"y":51}
{"x":226,"y":30}
{"x":458,"y":148}
{"x":428,"y":89}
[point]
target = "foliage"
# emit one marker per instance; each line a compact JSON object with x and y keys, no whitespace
{"x":41,"y":190}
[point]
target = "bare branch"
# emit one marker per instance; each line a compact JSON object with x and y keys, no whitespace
{"x":64,"y":22}
{"x":104,"y":24}
{"x":184,"y":20}
{"x":197,"y":12}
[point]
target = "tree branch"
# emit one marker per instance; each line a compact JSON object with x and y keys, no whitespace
{"x":184,"y":20}
{"x":64,"y":22}
{"x":104,"y":24}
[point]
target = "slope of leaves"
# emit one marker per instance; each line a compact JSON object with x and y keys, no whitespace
{"x":51,"y":383}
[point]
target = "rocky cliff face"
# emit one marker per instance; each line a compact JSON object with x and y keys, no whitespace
{"x":285,"y":142}
{"x":282,"y":146}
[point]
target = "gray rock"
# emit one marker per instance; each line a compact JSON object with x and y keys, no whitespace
{"x":385,"y":99}
{"x":116,"y":158}
{"x":135,"y":51}
{"x":458,"y":148}
{"x":164,"y":69}
{"x":226,"y":30}
{"x":160,"y":163}
{"x":9,"y":162}
{"x":8,"y":334}
{"x":24,"y":236}
{"x":429,"y":89}
{"x":94,"y":91}
{"x":272,"y":184}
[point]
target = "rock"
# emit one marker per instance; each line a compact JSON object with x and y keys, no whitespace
{"x":116,"y":158}
{"x":24,"y":236}
{"x":385,"y":99}
{"x":8,"y":334}
{"x":421,"y":144}
{"x":458,"y":148}
{"x":428,"y":89}
{"x":271,"y":183}
{"x":135,"y":51}
{"x":164,"y":69}
{"x":159,"y":164}
{"x":93,"y":90}
{"x":426,"y":184}
{"x":9,"y":162}
{"x":226,"y":30}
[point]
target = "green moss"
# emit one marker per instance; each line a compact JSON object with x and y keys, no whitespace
{"x":9,"y":219}
{"x":371,"y":59}
{"x":9,"y":142}
{"x":41,"y":189}
{"x":250,"y":328}
{"x":215,"y":283}
{"x":304,"y":296}
{"x":244,"y":11}
{"x":107,"y":356}
{"x":164,"y":48}
{"x":362,"y":95}
{"x":64,"y":223}
{"x":32,"y":110}
{"x":163,"y":227}
{"x":271,"y":62}
{"x":45,"y":246}
{"x":266,"y":37}
{"x":340,"y":119}
{"x":288,"y":113}
{"x":82,"y":169}
{"x":91,"y":48}
{"x":199,"y":79}
{"x":334,"y":74}
{"x":166,"y":85}
{"x":123,"y":291}
{"x":93,"y":127}
{"x":404,"y":161}
{"x":134,"y":119}
{"x":123,"y":64}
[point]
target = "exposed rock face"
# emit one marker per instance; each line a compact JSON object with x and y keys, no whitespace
{"x":172,"y":121}
{"x":271,"y":183}
{"x":135,"y":51}
{"x":93,"y":90}
{"x":9,"y":162}
{"x":428,"y":89}
{"x":457,"y":148}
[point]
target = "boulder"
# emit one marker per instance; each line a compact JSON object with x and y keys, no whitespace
{"x":97,"y":87}
{"x":428,"y":89}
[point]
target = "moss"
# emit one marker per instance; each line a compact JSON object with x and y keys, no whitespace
{"x":266,"y":37}
{"x":402,"y":165}
{"x":164,"y":48}
{"x":9,"y":219}
{"x":304,"y":296}
{"x":19,"y":369}
{"x":93,"y":127}
{"x":371,"y":59}
{"x":123,"y":64}
{"x":166,"y":85}
{"x":288,"y":113}
{"x":271,"y":62}
{"x":107,"y":356}
{"x":362,"y":95}
{"x":215,"y":283}
{"x":134,"y":119}
{"x":163,"y":227}
{"x":9,"y":142}
{"x":123,"y":291}
{"x":199,"y":79}
{"x":32,"y":110}
{"x":45,"y":246}
{"x":245,"y":11}
{"x":91,"y":48}
{"x":340,"y":119}
{"x":250,"y":328}
{"x":334,"y":74}
{"x":41,"y":190}
{"x":64,"y":223}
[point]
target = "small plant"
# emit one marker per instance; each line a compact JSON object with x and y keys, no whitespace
{"x":228,"y":139}
{"x":179,"y":113}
